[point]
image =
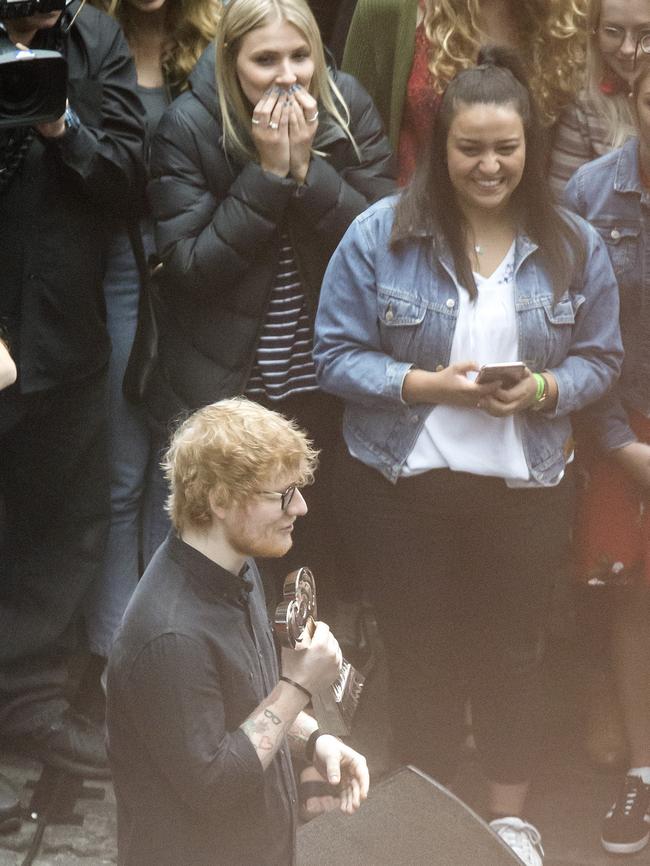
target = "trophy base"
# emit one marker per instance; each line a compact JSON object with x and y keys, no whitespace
{"x":335,"y":707}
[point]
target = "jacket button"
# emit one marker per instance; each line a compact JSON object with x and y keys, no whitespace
{"x":439,"y":368}
{"x":450,"y":303}
{"x":615,"y":235}
{"x":389,"y":315}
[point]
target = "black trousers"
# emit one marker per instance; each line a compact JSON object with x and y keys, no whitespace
{"x":55,"y":488}
{"x":459,"y":569}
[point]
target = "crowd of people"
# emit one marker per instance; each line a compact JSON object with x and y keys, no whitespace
{"x":415,"y":283}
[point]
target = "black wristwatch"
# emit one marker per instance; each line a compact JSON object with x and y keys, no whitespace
{"x":310,"y":745}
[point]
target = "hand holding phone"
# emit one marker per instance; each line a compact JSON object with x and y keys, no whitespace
{"x":508,"y":373}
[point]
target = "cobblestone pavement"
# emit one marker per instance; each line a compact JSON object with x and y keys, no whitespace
{"x":79,"y":816}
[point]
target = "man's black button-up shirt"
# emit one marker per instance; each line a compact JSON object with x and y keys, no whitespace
{"x":193,"y":658}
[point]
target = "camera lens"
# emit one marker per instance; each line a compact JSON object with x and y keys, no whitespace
{"x":19,"y":90}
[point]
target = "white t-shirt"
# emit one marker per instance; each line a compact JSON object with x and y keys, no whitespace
{"x":470,"y":440}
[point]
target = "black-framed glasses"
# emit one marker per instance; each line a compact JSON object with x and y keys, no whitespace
{"x":285,"y":496}
{"x":643,"y":45}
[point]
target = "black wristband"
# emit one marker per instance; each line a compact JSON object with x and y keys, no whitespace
{"x":297,"y":686}
{"x":310,"y":745}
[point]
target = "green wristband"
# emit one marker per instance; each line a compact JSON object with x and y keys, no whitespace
{"x":541,"y":386}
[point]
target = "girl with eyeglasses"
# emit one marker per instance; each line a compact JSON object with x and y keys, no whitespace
{"x":600,"y":118}
{"x":597,"y":122}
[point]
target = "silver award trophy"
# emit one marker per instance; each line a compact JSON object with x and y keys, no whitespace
{"x":295,"y":617}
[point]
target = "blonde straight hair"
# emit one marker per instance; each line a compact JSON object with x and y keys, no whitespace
{"x":239,"y":18}
{"x":614,"y":109}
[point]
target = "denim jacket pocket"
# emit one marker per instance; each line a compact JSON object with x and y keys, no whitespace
{"x":560,"y":320}
{"x":622,"y":245}
{"x":400,"y":316}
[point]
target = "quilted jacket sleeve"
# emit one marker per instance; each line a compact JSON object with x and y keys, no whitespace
{"x":331,"y":199}
{"x":208,"y":225}
{"x":105,"y":155}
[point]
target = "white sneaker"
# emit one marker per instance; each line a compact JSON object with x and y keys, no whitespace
{"x":522,"y":838}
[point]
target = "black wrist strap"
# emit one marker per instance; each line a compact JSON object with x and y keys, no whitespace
{"x":310,"y":745}
{"x":297,"y":686}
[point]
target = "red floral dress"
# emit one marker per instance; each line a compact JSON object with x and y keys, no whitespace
{"x":612,"y":528}
{"x":420,"y":107}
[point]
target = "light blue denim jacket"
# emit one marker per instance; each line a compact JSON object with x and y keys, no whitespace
{"x":383,"y":311}
{"x":608,"y":192}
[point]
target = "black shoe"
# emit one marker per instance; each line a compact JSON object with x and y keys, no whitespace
{"x":72,"y":743}
{"x":625,"y":828}
{"x":9,"y":807}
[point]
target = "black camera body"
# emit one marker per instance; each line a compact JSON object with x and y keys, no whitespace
{"x":23,"y":8}
{"x":33,"y":82}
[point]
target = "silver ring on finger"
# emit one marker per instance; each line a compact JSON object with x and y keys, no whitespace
{"x":255,"y":121}
{"x":312,"y":119}
{"x":273,"y":124}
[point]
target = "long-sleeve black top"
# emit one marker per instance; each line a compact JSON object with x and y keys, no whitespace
{"x":192,"y":660}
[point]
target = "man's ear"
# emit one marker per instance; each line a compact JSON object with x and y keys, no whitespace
{"x":217,"y":510}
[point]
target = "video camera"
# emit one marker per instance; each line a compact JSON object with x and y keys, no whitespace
{"x":33,"y":82}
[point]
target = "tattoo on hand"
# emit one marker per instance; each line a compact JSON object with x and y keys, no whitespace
{"x":252,"y":727}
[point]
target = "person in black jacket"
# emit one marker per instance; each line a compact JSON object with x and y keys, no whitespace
{"x":253,"y":186}
{"x":57,"y":185}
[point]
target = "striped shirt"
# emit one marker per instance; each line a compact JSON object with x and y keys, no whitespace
{"x":283,"y":361}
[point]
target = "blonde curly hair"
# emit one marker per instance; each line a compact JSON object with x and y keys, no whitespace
{"x":552,"y":34}
{"x":190,"y":25}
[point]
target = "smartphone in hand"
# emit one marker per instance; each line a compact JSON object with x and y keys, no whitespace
{"x":508,"y":373}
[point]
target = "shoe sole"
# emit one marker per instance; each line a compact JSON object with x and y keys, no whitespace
{"x":625,"y":847}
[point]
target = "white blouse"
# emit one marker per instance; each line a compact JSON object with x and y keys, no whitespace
{"x":468,"y":439}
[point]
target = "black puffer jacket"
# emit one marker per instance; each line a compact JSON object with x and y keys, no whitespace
{"x":217,"y":232}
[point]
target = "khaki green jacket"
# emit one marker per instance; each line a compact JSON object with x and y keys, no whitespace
{"x":379,"y":52}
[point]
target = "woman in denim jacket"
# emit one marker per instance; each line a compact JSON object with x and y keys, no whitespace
{"x":613,"y":532}
{"x":459,"y":501}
